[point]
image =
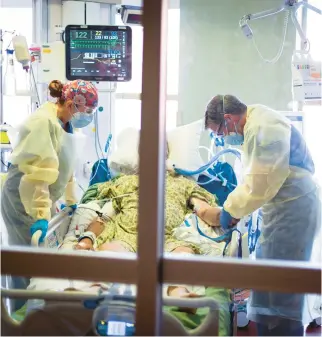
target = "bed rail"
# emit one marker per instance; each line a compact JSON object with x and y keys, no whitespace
{"x":173,"y":326}
{"x":53,"y":225}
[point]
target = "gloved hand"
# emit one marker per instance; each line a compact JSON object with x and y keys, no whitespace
{"x":39,"y":225}
{"x":225,"y":219}
{"x":73,"y":207}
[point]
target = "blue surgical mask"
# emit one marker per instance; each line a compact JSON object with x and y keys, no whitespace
{"x":81,"y":119}
{"x":234,"y":138}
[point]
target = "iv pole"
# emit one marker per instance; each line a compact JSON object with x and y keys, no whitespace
{"x":1,"y":84}
{"x":289,"y":5}
{"x":2,"y":33}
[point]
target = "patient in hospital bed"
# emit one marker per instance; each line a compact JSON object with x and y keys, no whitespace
{"x":182,"y":197}
{"x":119,"y":234}
{"x":118,"y":199}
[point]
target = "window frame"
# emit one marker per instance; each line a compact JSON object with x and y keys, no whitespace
{"x":232,"y":273}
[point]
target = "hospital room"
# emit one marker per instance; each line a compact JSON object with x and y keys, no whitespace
{"x":161,"y":167}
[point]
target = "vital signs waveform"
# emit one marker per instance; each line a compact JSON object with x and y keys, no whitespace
{"x":103,"y":45}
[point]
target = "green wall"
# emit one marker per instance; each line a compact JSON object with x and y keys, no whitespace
{"x":216,"y":58}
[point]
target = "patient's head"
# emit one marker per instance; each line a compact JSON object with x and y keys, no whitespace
{"x":167,"y":152}
{"x":126,"y":158}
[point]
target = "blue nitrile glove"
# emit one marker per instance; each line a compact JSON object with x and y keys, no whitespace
{"x":73,"y":207}
{"x":225,"y":219}
{"x":39,"y":225}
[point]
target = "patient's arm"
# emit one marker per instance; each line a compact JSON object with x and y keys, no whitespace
{"x":203,"y":202}
{"x":96,"y":227}
{"x":210,"y":215}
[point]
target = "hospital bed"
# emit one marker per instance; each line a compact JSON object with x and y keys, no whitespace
{"x":214,"y":311}
{"x":213,"y":316}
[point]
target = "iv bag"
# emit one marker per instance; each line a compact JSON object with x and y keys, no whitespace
{"x":306,"y":77}
{"x":21,"y":50}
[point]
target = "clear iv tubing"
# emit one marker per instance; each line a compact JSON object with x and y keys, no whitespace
{"x":102,"y":215}
{"x":280,"y":52}
{"x":97,"y":148}
{"x":97,"y":142}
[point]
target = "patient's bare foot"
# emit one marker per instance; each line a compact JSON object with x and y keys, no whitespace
{"x":174,"y":291}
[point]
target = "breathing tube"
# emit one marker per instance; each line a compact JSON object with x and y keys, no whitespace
{"x":228,"y":235}
{"x":205,"y":167}
{"x":225,"y":237}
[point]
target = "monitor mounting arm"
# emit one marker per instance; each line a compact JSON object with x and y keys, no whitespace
{"x":289,"y":5}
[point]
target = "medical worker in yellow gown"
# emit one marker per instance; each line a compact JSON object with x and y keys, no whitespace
{"x":42,"y":162}
{"x":278,"y":178}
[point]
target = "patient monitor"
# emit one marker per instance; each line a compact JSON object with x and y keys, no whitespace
{"x":98,"y":53}
{"x":92,"y":53}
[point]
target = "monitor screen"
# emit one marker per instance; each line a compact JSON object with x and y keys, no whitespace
{"x":99,"y":53}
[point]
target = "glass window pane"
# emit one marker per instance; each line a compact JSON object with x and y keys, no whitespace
{"x":173,"y":51}
{"x":216,"y":58}
{"x":312,"y":127}
{"x":128,"y":114}
{"x":312,"y":114}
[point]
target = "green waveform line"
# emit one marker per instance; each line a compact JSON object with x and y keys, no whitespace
{"x":96,"y":43}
